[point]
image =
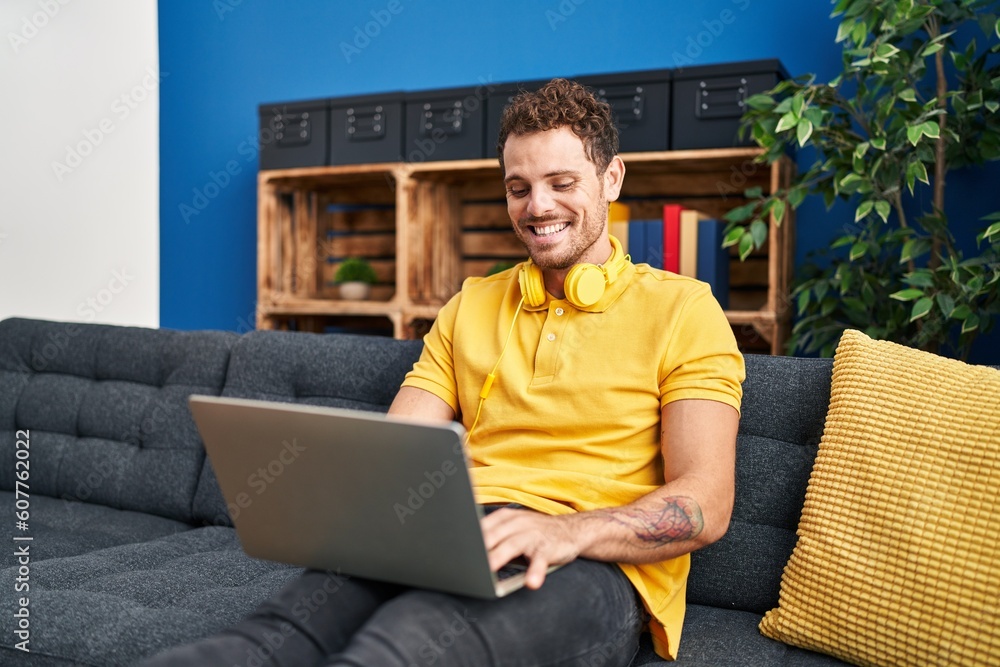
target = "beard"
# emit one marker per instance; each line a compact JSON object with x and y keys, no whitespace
{"x":583,"y":234}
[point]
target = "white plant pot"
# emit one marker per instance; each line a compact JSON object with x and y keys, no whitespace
{"x":355,"y":291}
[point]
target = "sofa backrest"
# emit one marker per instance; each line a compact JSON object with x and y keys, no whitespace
{"x":783,"y":413}
{"x":343,"y":371}
{"x":106,"y":409}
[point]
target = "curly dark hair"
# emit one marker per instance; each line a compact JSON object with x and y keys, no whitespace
{"x":561,"y":102}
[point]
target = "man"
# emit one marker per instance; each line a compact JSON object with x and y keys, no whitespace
{"x":602,"y":402}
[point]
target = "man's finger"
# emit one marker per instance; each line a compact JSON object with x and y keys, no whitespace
{"x":535,"y":576}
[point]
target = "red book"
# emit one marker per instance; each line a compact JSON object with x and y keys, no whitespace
{"x":672,"y":237}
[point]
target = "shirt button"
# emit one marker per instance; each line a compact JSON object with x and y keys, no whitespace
{"x":551,"y":337}
{"x":559,"y":311}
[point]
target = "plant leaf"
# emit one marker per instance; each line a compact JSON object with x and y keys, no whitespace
{"x":850,"y":182}
{"x":746,"y":246}
{"x":931,"y":49}
{"x":760,"y":102}
{"x":842,"y":241}
{"x":920,"y":278}
{"x":962,"y":312}
{"x":798,"y":103}
{"x":733,"y":236}
{"x":907,"y":294}
{"x":913,"y":133}
{"x":946,"y":303}
{"x":787,"y":122}
{"x":931,"y":129}
{"x":971,"y":323}
{"x":778,"y":211}
{"x":885,"y":51}
{"x":758,"y":232}
{"x":803,"y":301}
{"x":804,"y":130}
{"x":882,"y":207}
{"x":864,"y":209}
{"x":858,"y":250}
{"x":991,"y":231}
{"x":921,"y":308}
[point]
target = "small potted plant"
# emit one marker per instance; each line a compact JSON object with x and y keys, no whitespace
{"x":355,"y":277}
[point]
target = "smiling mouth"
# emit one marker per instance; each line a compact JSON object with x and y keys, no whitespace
{"x":548,"y":230}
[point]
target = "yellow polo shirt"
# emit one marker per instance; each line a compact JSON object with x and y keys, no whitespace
{"x":572,"y":422}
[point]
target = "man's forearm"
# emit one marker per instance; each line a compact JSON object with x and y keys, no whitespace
{"x":658,"y":526}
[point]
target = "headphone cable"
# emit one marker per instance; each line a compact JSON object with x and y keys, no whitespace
{"x":491,"y":377}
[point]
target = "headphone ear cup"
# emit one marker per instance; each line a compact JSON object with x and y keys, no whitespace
{"x":585,"y":284}
{"x":532,"y":284}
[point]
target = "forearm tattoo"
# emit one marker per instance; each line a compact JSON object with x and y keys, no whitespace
{"x":678,"y":519}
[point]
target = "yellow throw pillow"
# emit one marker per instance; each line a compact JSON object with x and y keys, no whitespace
{"x":898,"y":556}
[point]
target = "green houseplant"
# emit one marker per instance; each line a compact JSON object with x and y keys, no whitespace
{"x":355,"y":277}
{"x":917,"y":98}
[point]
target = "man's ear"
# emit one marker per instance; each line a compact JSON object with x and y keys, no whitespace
{"x":614,"y":175}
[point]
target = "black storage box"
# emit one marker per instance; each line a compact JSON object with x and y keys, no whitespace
{"x":293,"y":134}
{"x":500,"y":96}
{"x":366,"y":129}
{"x":445,"y":124}
{"x":640,"y":102}
{"x":710,"y":100}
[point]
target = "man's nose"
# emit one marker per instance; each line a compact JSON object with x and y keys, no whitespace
{"x":540,"y":202}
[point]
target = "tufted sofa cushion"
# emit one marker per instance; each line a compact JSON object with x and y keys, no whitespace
{"x":106,"y":408}
{"x":343,"y":371}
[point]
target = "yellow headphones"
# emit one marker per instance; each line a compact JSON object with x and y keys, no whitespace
{"x":585,"y":283}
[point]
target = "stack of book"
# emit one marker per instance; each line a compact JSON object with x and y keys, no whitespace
{"x":686,"y":241}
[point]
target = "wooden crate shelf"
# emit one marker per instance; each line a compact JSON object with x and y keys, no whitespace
{"x":426,"y":227}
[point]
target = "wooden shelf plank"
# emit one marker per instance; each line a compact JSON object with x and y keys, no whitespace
{"x":288,"y":306}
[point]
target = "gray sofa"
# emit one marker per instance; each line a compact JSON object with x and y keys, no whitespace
{"x":132,"y":549}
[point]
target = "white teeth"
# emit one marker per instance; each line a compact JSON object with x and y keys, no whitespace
{"x":550,"y":229}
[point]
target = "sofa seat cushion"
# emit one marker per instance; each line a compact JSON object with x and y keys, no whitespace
{"x":117,"y":605}
{"x":62,"y":528}
{"x":715,"y":637}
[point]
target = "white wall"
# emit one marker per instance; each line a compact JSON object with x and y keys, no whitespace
{"x":79,"y":160}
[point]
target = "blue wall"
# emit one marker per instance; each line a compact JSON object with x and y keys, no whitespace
{"x":226,"y":57}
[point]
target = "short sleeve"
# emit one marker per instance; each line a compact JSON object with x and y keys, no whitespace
{"x":702,"y":359}
{"x":435,"y":369}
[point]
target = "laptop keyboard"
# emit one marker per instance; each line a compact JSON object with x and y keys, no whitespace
{"x":515,"y":567}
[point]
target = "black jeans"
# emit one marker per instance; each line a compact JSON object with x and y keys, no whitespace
{"x":586,"y":613}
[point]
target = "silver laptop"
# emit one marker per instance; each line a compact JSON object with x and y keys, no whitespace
{"x":359,"y":493}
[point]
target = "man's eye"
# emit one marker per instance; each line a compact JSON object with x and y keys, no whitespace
{"x":517,"y":192}
{"x":563,"y":186}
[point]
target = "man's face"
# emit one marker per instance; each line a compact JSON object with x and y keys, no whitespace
{"x":557,"y":202}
